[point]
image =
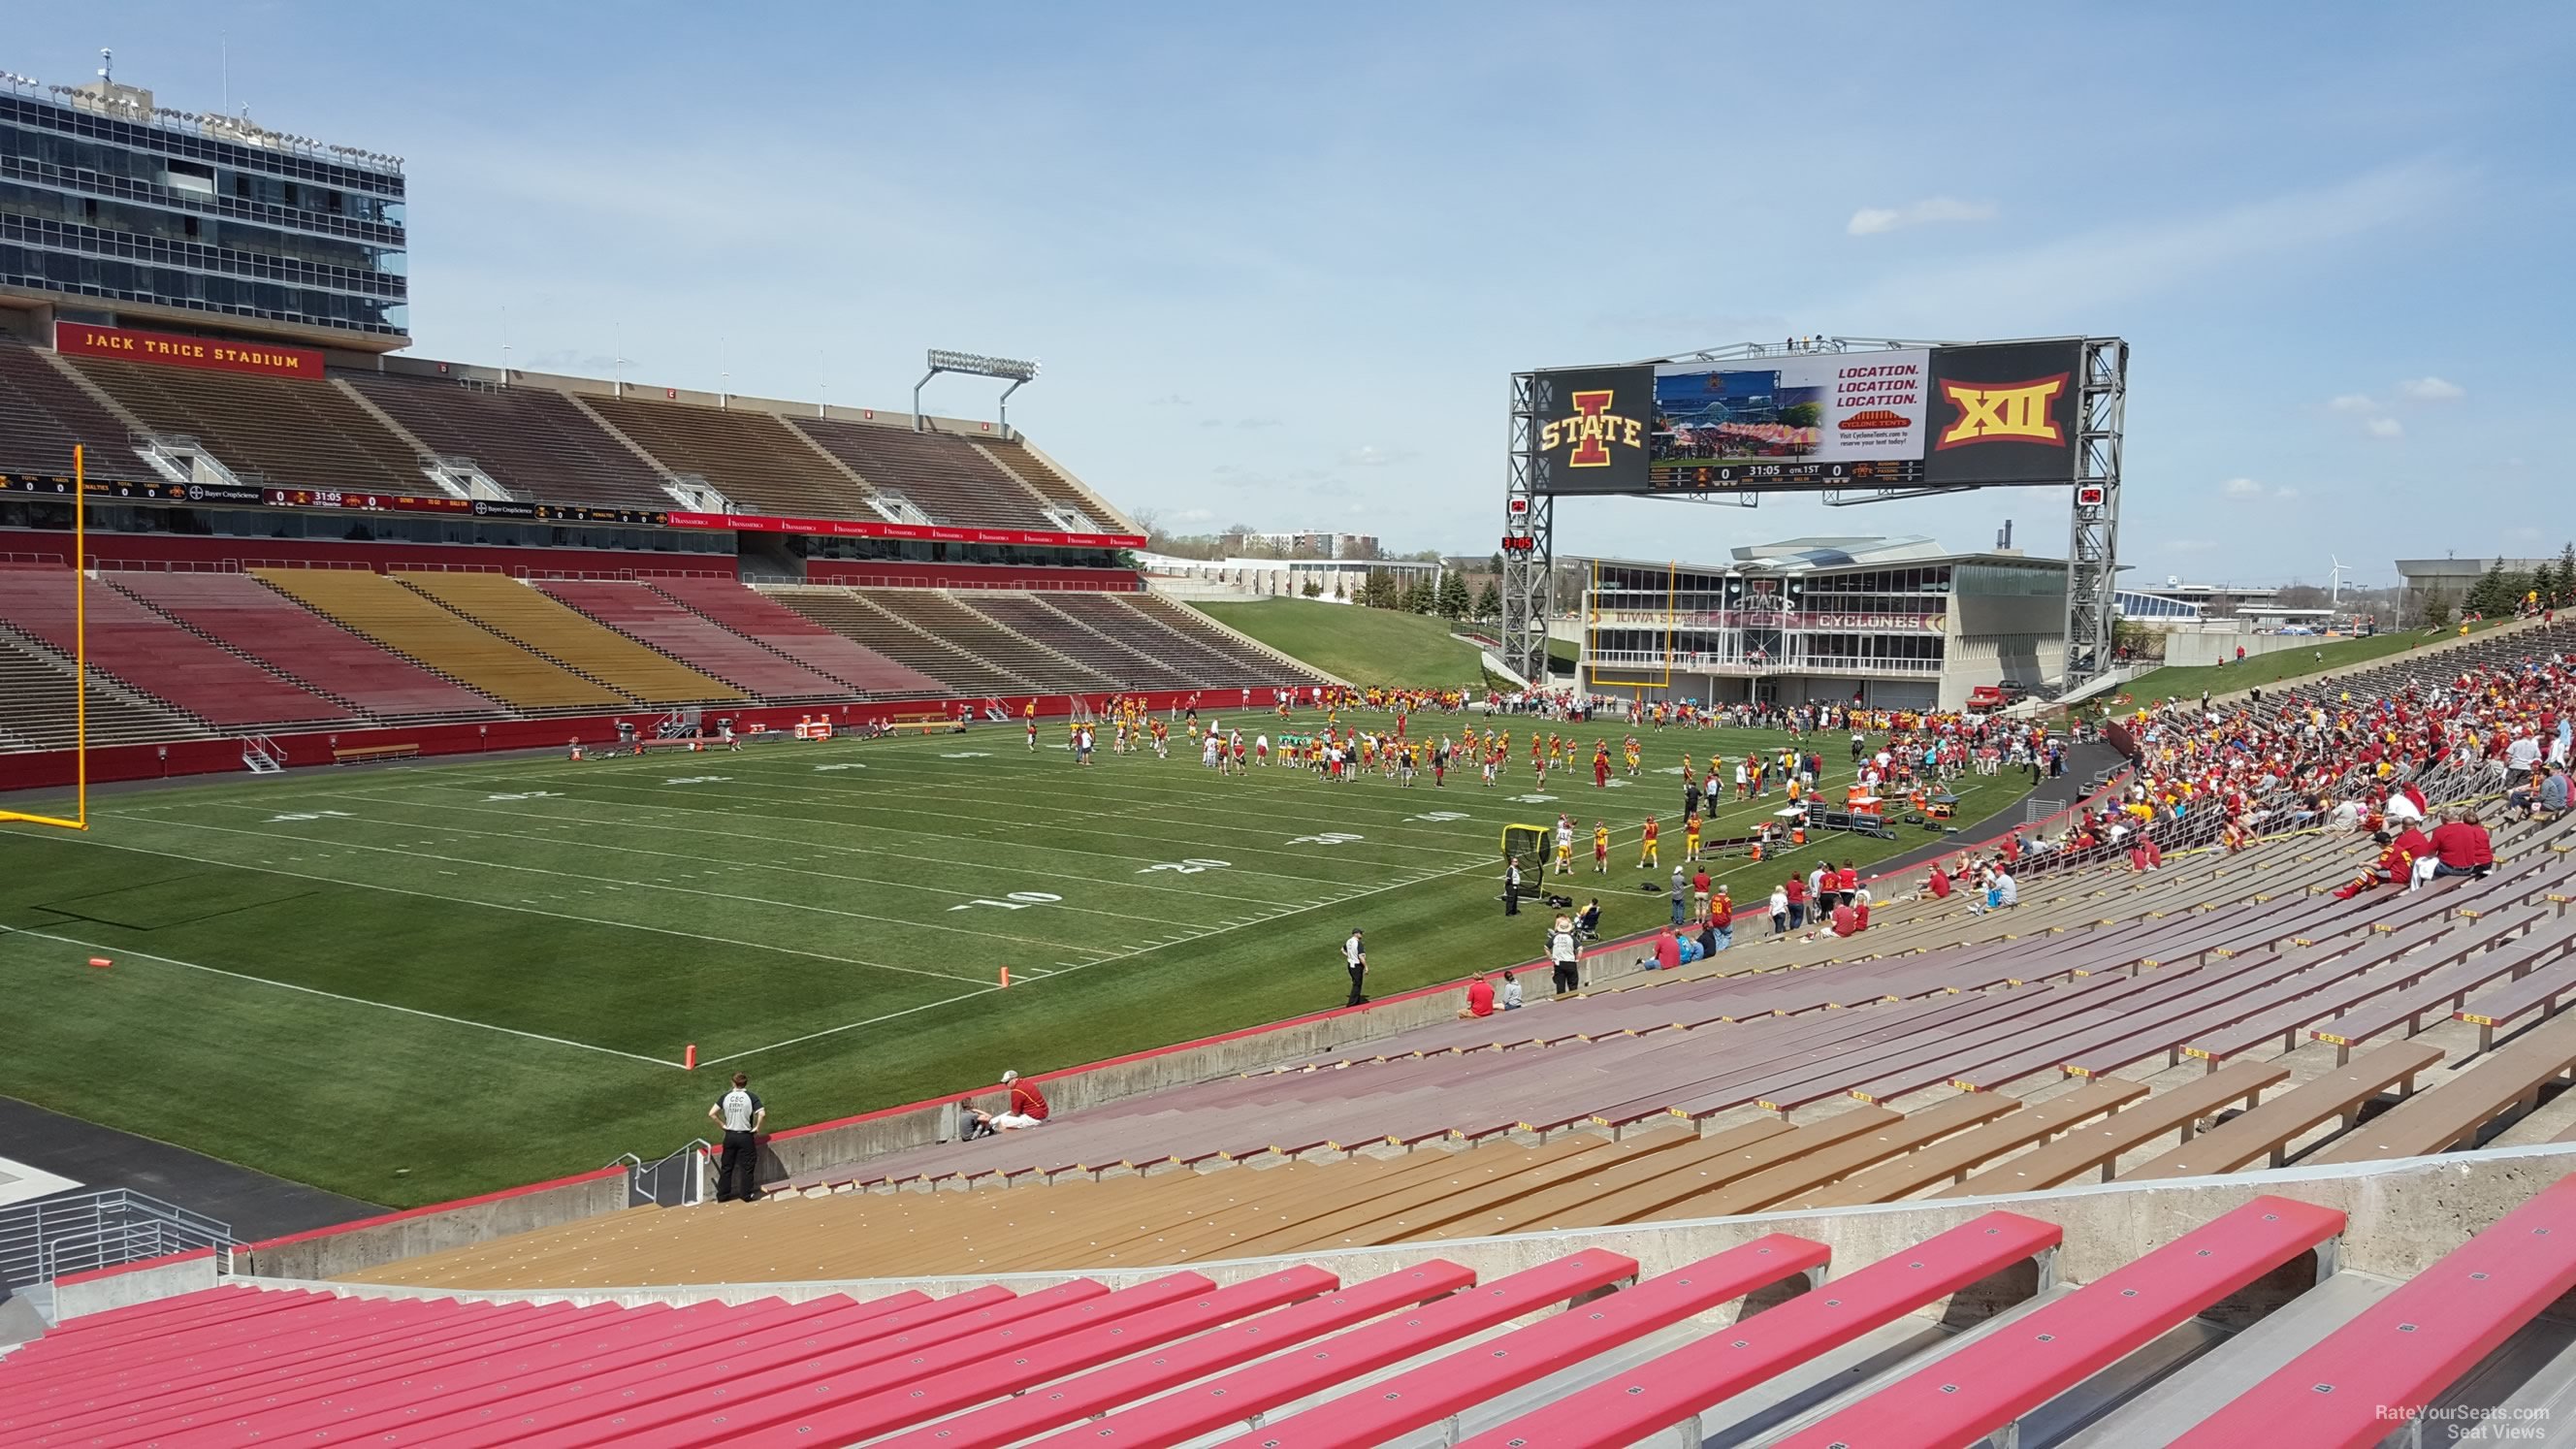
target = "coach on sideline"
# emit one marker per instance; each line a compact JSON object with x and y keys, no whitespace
{"x":1355,"y":959}
{"x":740,"y":1114}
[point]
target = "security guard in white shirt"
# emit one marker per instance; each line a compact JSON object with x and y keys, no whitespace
{"x":740,"y":1114}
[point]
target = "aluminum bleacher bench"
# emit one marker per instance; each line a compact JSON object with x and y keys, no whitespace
{"x":2441,"y":991}
{"x":1573,"y":1203}
{"x":2265,"y":1133}
{"x":1812,"y":1170}
{"x":1953,"y":1158}
{"x":1100,"y":1390}
{"x":963,"y":1374}
{"x":1675,"y":1387}
{"x":1233,"y":1398}
{"x":2378,"y":1369}
{"x":1636,"y":1201}
{"x":1450,"y":1385}
{"x":1990,"y":1383}
{"x":2097,"y":1147}
{"x":2384,"y":966}
{"x":2541,"y":990}
{"x":2453,"y":1112}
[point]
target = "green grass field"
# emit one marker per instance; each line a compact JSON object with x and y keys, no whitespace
{"x":1379,"y":646}
{"x":417,"y":982}
{"x":2312,"y":657}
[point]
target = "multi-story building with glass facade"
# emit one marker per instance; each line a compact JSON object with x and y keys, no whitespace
{"x":1897,"y":622}
{"x":120,"y":212}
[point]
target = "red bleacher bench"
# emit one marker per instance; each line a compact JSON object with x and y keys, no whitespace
{"x":1994,"y":1381}
{"x":968,"y":1373}
{"x":1101,"y":1390}
{"x":1462,"y":1380}
{"x":2379,"y":1370}
{"x":1668,"y":1390}
{"x":1219,"y":1403}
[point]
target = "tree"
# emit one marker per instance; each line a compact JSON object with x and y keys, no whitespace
{"x":2566,"y":574}
{"x":1377,"y":590}
{"x":1489,"y":601}
{"x":2433,"y":607}
{"x":1453,"y":595}
{"x":1313,"y":589}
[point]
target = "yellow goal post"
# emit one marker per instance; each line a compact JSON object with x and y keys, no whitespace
{"x":80,"y":664}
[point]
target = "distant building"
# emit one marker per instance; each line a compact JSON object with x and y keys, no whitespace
{"x":1895,"y":622}
{"x":2453,"y":577}
{"x":1315,"y":544}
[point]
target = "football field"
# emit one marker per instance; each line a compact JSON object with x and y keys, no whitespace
{"x":412,"y":982}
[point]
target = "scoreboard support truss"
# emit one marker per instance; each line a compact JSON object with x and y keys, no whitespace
{"x":1529,"y":535}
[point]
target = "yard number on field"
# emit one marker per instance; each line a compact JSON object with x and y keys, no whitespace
{"x":312,"y":815}
{"x":1015,"y":901}
{"x":1186,"y":867}
{"x":853,"y":765}
{"x":524,"y":795}
{"x":1329,"y":837}
{"x":1442,"y":817}
{"x":697,"y":779}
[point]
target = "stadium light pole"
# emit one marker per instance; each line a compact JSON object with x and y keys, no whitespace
{"x":1017,"y":373}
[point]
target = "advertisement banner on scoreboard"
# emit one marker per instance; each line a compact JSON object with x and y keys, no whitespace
{"x":1835,"y":407}
{"x":2005,"y":413}
{"x":1593,"y":428}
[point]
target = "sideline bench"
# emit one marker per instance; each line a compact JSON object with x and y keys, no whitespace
{"x":1460,"y":1381}
{"x":1223,"y":1402}
{"x":1101,"y":1390}
{"x":926,"y":721}
{"x":2100,"y":1146}
{"x":2422,"y":1338}
{"x":2452,"y":1113}
{"x":2267,"y":1131}
{"x":1992,"y":1382}
{"x":1674,"y":1387}
{"x":368,"y":754}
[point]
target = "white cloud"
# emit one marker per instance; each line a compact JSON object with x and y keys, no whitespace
{"x":1370,"y":455}
{"x":2285,"y":492}
{"x":2352,"y":402}
{"x":2431,"y":389}
{"x":2241,"y":488}
{"x":1195,"y":515}
{"x":1874,"y":220}
{"x":2384,"y":428}
{"x":1167,"y":400}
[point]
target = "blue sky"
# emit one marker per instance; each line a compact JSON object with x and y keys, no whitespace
{"x":1279,"y":261}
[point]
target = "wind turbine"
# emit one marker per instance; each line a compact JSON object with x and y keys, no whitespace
{"x":2334,"y":596}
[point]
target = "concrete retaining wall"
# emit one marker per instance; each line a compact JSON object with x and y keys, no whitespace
{"x":2194,"y":650}
{"x":2403,"y":1215}
{"x":373,"y":1242}
{"x":148,"y":1281}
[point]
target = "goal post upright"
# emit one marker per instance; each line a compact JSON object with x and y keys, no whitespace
{"x":80,"y":661}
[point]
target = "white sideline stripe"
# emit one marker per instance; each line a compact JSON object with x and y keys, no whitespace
{"x":336,"y":996}
{"x":266,"y":868}
{"x":853,"y":1026}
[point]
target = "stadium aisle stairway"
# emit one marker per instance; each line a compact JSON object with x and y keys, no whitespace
{"x":2019,"y":1064}
{"x":530,"y":440}
{"x":43,"y":415}
{"x":945,"y":477}
{"x":753,"y":458}
{"x":288,"y":434}
{"x":941,"y":615}
{"x":156,"y":658}
{"x":409,"y":624}
{"x":1028,"y":615}
{"x":856,"y":617}
{"x":1053,"y":485}
{"x":2220,"y":1327}
{"x":634,"y":609}
{"x":528,"y":617}
{"x":783,"y":631}
{"x":237,"y":612}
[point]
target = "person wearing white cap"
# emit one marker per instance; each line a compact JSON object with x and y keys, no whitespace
{"x":1028,"y":1108}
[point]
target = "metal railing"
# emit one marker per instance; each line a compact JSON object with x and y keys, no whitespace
{"x":41,"y":1241}
{"x":678,"y":1180}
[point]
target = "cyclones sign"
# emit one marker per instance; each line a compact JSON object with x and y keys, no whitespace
{"x":1594,"y":427}
{"x":205,"y":354}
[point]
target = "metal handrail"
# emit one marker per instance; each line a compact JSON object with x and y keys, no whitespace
{"x":644,"y":1181}
{"x":117,"y":1225}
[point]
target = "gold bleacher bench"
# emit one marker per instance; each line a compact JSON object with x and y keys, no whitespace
{"x":364,"y":754}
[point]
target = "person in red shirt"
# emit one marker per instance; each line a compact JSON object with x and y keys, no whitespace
{"x":2147,"y":856}
{"x":1846,"y":919}
{"x":1847,"y":882}
{"x":1939,"y":884}
{"x":2461,"y":846}
{"x":1480,"y":999}
{"x":1028,"y":1108}
{"x":1860,"y":915}
{"x":1797,"y":901}
{"x":1668,"y":950}
{"x":2394,"y":866}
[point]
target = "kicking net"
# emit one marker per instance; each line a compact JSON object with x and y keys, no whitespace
{"x":1530,"y":844}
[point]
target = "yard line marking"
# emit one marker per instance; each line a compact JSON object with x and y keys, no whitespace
{"x":980,"y":990}
{"x":527,"y":910}
{"x":336,"y":996}
{"x":682,"y":891}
